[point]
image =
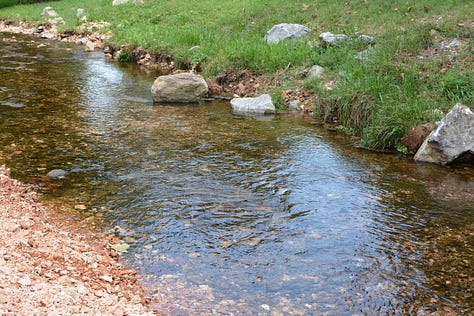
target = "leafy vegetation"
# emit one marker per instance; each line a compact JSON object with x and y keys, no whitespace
{"x":409,"y":77}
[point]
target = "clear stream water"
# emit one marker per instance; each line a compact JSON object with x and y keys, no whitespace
{"x":234,"y":215}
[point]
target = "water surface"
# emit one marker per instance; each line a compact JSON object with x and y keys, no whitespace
{"x":235,"y":215}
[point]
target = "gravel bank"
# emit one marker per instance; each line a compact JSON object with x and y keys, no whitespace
{"x":52,"y":268}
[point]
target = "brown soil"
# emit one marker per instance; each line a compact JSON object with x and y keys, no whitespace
{"x":51,"y":267}
{"x":415,"y":137}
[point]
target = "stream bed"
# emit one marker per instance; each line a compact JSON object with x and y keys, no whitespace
{"x":232,"y":215}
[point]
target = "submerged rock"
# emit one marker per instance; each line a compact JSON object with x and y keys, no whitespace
{"x":253,"y":106}
{"x":179,"y":88}
{"x":453,"y":139}
{"x":285,"y":31}
{"x":57,"y":174}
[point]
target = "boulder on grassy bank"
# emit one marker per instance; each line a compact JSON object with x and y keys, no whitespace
{"x":452,"y":141}
{"x":253,"y":106}
{"x":49,"y":12}
{"x":285,"y":31}
{"x":329,"y":39}
{"x":179,"y":88}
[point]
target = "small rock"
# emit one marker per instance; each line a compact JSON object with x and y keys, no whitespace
{"x":48,"y":12}
{"x":80,"y":12}
{"x":329,"y":39}
{"x":293,"y":105}
{"x":454,"y":43}
{"x":255,"y":106}
{"x":10,"y":227}
{"x":58,"y":20}
{"x":26,"y":281}
{"x":106,"y":278}
{"x":285,"y":31}
{"x":119,"y":2}
{"x":265,"y":307}
{"x":315,"y":72}
{"x":81,"y":289}
{"x":136,"y":299}
{"x":64,"y":279}
{"x":57,"y":174}
{"x":366,"y":39}
{"x":89,"y":46}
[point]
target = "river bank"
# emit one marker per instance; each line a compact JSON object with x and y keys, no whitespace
{"x":50,"y":267}
{"x":417,"y":68}
{"x":232,"y":83}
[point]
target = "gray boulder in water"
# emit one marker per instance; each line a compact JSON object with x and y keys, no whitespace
{"x":453,"y":139}
{"x":179,"y":88}
{"x":253,"y":106}
{"x":57,"y":174}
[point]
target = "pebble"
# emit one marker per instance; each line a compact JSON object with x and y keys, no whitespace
{"x":57,"y":174}
{"x":106,"y":278}
{"x":265,"y":307}
{"x":26,"y":281}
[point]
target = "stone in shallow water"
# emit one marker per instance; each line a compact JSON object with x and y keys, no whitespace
{"x":179,"y":88}
{"x":57,"y":174}
{"x":253,"y":106}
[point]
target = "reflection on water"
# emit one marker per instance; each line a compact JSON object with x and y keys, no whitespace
{"x":234,"y":215}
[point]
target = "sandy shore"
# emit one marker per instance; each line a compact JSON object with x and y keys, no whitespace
{"x":54,"y":268}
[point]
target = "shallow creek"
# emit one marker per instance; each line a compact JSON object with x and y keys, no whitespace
{"x":235,"y":215}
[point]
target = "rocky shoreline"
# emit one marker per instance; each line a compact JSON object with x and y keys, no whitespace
{"x":224,"y":86}
{"x":51,"y":267}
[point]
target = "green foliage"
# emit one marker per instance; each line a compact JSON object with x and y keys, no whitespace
{"x":402,"y":149}
{"x":124,"y":57}
{"x":458,"y":87}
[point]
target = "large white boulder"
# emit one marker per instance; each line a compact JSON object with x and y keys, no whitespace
{"x":452,"y":140}
{"x":253,"y":106}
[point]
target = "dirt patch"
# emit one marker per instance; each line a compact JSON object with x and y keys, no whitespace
{"x":415,"y":137}
{"x":52,"y":267}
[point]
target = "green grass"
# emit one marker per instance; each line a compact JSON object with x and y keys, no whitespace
{"x":401,"y":84}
